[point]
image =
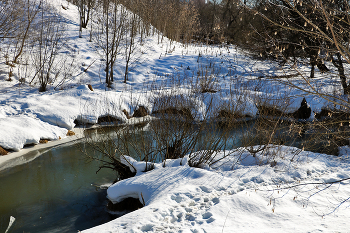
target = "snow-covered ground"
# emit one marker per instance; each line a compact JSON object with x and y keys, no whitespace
{"x":238,"y":196}
{"x":160,"y":68}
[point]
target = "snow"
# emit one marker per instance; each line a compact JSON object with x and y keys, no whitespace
{"x":27,"y":130}
{"x":242,"y":193}
{"x":160,"y":70}
{"x":249,"y":198}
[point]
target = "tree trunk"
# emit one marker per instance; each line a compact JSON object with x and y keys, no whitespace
{"x":107,"y":49}
{"x":339,"y":64}
{"x":313,"y":64}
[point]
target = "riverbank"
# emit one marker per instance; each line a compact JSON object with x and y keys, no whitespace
{"x":245,"y":194}
{"x":16,"y":158}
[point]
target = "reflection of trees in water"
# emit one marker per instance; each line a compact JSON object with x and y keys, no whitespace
{"x":174,"y":136}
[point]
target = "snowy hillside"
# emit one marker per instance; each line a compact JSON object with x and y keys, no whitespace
{"x":161,"y":68}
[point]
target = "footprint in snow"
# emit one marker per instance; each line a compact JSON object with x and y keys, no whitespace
{"x":220,"y":188}
{"x":177,"y":197}
{"x":205,"y":189}
{"x":190,"y":217}
{"x":216,"y":200}
{"x":147,"y":227}
{"x":207,"y":215}
{"x":210,"y":220}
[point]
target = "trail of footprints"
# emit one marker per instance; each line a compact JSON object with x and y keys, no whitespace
{"x":190,"y":213}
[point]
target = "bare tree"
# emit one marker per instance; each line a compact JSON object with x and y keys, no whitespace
{"x":9,"y":14}
{"x":109,"y":35}
{"x":45,"y":50}
{"x":187,"y":24}
{"x":173,"y":19}
{"x":30,"y":14}
{"x":85,"y":10}
{"x":313,"y":27}
{"x":16,"y":26}
{"x":130,"y":43}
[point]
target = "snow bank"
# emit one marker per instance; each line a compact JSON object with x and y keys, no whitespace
{"x":241,"y":195}
{"x":21,"y":130}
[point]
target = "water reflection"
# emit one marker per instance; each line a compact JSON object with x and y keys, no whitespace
{"x":53,"y":193}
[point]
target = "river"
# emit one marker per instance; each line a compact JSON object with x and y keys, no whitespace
{"x":56,"y":192}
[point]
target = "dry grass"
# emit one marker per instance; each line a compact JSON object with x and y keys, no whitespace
{"x":126,"y":114}
{"x":140,"y":112}
{"x":70,"y":133}
{"x":3,"y":151}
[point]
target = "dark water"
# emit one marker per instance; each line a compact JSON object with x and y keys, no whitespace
{"x":54,"y":193}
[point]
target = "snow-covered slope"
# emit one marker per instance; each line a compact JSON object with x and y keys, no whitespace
{"x":161,"y":68}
